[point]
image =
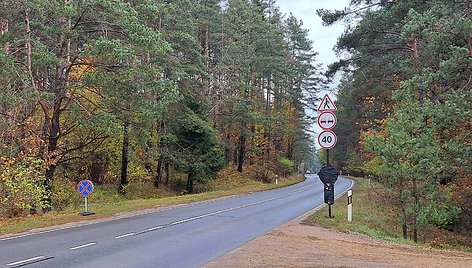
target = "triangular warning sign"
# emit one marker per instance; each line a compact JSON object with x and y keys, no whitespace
{"x":327,"y":105}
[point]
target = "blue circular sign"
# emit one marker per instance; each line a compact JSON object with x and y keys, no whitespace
{"x":85,"y":188}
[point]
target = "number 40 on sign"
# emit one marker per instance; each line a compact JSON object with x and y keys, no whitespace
{"x":327,"y":139}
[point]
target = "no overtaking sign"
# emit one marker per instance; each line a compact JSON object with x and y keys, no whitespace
{"x":327,"y":120}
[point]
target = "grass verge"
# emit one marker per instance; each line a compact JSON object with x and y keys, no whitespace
{"x":116,"y":204}
{"x":372,"y":215}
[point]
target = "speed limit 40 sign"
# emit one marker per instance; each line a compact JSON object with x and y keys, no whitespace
{"x":327,"y":139}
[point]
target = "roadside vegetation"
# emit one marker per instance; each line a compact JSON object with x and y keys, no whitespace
{"x":374,"y":215}
{"x":404,"y":108}
{"x":106,"y":202}
{"x":148,"y":99}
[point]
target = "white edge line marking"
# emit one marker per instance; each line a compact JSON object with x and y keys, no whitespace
{"x":83,"y":246}
{"x":25,"y":261}
{"x":30,"y":234}
{"x":125,"y":235}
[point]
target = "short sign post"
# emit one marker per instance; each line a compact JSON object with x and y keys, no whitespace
{"x":349,"y":205}
{"x":85,"y":188}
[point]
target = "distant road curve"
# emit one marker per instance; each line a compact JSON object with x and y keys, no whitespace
{"x":183,"y":236}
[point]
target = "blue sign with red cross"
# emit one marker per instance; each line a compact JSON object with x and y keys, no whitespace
{"x":85,"y":188}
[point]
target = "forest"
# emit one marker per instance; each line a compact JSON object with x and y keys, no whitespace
{"x":143,"y":92}
{"x":405,"y":106}
{"x":169,"y":94}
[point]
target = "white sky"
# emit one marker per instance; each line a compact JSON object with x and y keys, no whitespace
{"x":324,"y":38}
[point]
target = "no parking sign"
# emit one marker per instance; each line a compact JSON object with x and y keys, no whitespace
{"x":85,"y":188}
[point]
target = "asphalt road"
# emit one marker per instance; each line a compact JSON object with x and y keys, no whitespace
{"x":183,"y":236}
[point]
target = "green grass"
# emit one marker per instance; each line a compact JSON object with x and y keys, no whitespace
{"x":369,"y":217}
{"x":105,"y":202}
{"x":372,"y":215}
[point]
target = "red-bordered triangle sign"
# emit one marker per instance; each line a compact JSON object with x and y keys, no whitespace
{"x":327,"y":105}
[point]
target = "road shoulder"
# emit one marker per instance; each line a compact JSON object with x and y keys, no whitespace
{"x":296,"y":244}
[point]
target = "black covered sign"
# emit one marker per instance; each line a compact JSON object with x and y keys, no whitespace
{"x":328,"y":174}
{"x":329,"y":193}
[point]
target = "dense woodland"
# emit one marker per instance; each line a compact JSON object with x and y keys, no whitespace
{"x":123,"y":92}
{"x":405,"y":106}
{"x":143,"y":92}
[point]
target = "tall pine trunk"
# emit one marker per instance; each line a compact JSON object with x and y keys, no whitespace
{"x":415,"y":216}
{"x":190,"y":180}
{"x":404,"y":225}
{"x":227,"y":147}
{"x":402,"y":208}
{"x":166,"y":167}
{"x":53,"y":136}
{"x":157,"y":178}
{"x":241,"y":148}
{"x":124,"y":158}
{"x":59,"y":86}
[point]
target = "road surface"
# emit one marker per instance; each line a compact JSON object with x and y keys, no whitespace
{"x":183,"y":236}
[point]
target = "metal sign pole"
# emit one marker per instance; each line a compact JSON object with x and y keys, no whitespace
{"x":86,"y":207}
{"x":327,"y":157}
{"x":327,"y":164}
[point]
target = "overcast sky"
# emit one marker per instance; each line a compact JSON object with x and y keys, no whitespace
{"x":324,"y":38}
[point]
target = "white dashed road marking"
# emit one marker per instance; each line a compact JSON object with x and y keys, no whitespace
{"x":125,"y":235}
{"x":34,"y":259}
{"x":83,"y":246}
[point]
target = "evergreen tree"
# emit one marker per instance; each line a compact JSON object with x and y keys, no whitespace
{"x":111,"y":88}
{"x":419,"y":52}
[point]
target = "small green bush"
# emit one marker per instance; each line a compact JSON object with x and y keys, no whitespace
{"x":21,"y":187}
{"x":263,"y":172}
{"x":286,"y":166}
{"x":64,"y":194}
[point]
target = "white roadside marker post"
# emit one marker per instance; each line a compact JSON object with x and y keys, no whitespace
{"x":349,"y":205}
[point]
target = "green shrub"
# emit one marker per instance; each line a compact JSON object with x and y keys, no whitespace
{"x":21,"y":187}
{"x":262,"y":172}
{"x":286,"y":166}
{"x":137,"y":173}
{"x":64,"y":194}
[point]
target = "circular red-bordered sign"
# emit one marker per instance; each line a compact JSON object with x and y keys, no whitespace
{"x":85,"y":188}
{"x":327,"y":120}
{"x":327,"y":139}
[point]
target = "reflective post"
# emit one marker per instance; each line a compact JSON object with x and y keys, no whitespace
{"x":349,"y":205}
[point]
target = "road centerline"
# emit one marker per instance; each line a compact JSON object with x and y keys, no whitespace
{"x":83,"y":246}
{"x":28,"y":261}
{"x":124,"y":235}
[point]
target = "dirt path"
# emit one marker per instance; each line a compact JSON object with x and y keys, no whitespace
{"x":298,"y":245}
